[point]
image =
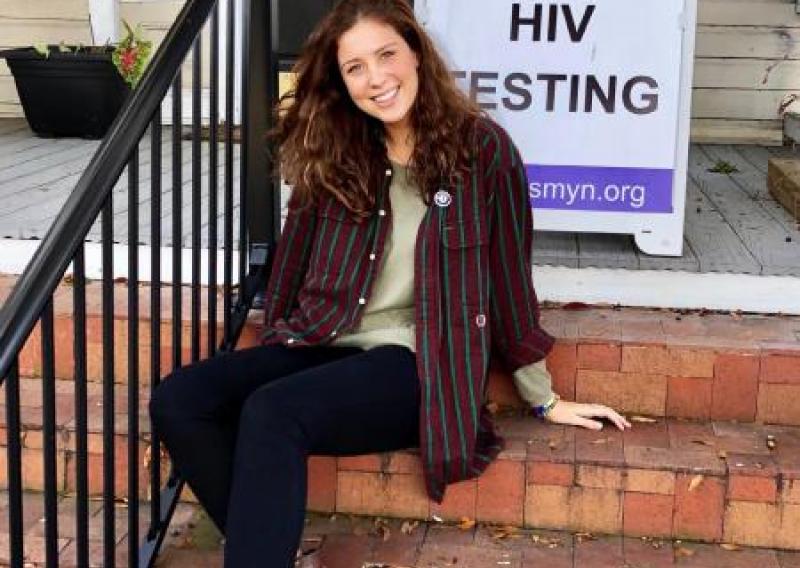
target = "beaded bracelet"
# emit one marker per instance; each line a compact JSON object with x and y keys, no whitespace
{"x":544,"y":409}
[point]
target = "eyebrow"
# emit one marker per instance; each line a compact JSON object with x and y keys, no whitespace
{"x":390,"y":44}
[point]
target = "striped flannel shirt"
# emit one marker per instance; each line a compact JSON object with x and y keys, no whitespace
{"x":473,"y":295}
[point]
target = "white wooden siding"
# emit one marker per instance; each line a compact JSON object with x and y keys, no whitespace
{"x":24,"y":22}
{"x":747,"y":63}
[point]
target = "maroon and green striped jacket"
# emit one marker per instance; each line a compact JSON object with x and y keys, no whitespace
{"x":474,"y":297}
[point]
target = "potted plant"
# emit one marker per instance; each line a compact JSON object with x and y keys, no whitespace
{"x":77,"y":90}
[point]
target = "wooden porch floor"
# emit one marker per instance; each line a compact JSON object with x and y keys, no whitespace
{"x":732,"y":223}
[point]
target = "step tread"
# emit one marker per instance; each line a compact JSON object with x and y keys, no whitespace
{"x":570,"y":322}
{"x":710,"y":448}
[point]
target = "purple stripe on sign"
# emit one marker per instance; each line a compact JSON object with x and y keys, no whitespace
{"x":593,"y":188}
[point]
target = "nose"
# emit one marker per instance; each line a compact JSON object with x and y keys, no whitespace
{"x":376,"y":76}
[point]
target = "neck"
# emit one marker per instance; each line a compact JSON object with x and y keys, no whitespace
{"x":399,"y":142}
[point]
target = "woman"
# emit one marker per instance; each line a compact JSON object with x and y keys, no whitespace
{"x":402,"y":268}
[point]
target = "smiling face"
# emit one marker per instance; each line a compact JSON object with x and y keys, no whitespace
{"x":379,"y":70}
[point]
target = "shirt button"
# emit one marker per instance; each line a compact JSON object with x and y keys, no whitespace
{"x":372,"y":256}
{"x":388,"y":171}
{"x":333,"y":333}
{"x":480,"y":320}
{"x":291,"y":340}
{"x":382,"y":212}
{"x":362,"y":301}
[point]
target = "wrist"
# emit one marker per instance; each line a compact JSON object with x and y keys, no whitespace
{"x":543,"y":410}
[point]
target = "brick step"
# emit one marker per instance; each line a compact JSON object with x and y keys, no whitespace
{"x":33,"y":527}
{"x":708,"y":481}
{"x":703,"y":481}
{"x":659,"y":363}
{"x":66,"y":454}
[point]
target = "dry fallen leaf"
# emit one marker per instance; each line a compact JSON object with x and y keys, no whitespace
{"x":581,"y":536}
{"x":730,"y":546}
{"x":702,"y":442}
{"x":695,"y":482}
{"x":492,"y":407}
{"x":408,"y":527}
{"x":681,"y":551}
{"x":544,"y":541}
{"x":507,"y":531}
{"x":722,"y":454}
{"x":643,"y":419}
{"x":601,"y":441}
{"x":552,"y":445}
{"x":466,"y":523}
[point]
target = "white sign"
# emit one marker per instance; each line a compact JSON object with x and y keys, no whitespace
{"x":595,"y":95}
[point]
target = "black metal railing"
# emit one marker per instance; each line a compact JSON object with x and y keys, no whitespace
{"x":98,"y":197}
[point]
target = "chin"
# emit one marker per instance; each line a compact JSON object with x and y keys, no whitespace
{"x":392,"y":117}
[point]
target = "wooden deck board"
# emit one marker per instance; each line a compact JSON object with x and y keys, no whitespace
{"x":688,"y":262}
{"x":732,"y":223}
{"x":606,"y":251}
{"x":768,"y":234}
{"x":555,"y":248}
{"x":757,"y":156}
{"x":717,"y":246}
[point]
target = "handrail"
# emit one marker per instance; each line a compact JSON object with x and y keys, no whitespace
{"x":40,"y":279}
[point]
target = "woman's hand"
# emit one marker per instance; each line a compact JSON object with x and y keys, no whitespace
{"x":581,"y":414}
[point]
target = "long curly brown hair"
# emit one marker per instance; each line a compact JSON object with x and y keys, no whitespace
{"x":327,"y":145}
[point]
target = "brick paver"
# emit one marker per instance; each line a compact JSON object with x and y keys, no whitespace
{"x":34,"y":530}
{"x":365,"y":542}
{"x":350,"y":541}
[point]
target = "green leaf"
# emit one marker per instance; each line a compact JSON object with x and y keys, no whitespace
{"x":42,"y":49}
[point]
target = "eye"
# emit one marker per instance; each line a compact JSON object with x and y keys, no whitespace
{"x":352,"y":69}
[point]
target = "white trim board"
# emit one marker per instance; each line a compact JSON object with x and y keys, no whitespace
{"x":635,"y":288}
{"x":669,"y":289}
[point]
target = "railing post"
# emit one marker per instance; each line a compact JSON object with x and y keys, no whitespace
{"x":258,"y":96}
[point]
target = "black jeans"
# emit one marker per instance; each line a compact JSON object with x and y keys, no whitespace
{"x":239,"y":428}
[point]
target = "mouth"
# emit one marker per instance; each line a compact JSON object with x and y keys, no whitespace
{"x":387,"y":98}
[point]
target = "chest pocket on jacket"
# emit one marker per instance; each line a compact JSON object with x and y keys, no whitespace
{"x":464,"y":233}
{"x":463,"y":223}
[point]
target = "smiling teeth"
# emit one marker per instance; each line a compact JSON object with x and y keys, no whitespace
{"x":386,"y":96}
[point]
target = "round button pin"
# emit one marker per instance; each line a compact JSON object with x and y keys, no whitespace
{"x":442,"y":198}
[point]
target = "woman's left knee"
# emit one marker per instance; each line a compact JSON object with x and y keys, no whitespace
{"x":265,"y":412}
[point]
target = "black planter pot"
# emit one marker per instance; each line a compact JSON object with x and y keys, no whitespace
{"x":68,"y":94}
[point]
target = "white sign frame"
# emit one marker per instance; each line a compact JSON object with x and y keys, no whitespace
{"x":654,"y":233}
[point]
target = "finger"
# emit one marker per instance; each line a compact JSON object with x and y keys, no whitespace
{"x":599,"y":410}
{"x":618,"y":420}
{"x":586,"y":423}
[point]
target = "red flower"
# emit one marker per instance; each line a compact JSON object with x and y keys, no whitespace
{"x":127,"y":59}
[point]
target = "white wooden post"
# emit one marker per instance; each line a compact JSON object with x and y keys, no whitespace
{"x":103,"y":15}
